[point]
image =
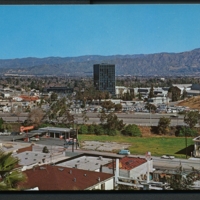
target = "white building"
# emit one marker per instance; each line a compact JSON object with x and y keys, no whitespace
{"x":196,"y":152}
{"x":121,"y":90}
{"x":131,"y":167}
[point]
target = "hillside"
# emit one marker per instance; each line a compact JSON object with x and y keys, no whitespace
{"x":193,"y":102}
{"x":161,"y":64}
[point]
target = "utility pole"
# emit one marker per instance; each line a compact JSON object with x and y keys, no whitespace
{"x":186,"y":144}
{"x":150,"y":115}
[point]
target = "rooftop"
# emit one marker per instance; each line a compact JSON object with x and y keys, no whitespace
{"x":56,"y":129}
{"x":128,"y":163}
{"x":91,"y":163}
{"x":61,"y":178}
{"x":29,"y":157}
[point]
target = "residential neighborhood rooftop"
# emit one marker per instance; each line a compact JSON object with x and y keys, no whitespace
{"x":61,"y":178}
{"x":91,"y":163}
{"x":128,"y":163}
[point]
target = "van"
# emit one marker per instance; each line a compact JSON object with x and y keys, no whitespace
{"x":124,"y":152}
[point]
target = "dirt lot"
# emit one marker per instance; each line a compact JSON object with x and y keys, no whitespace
{"x":193,"y":102}
{"x":103,"y":146}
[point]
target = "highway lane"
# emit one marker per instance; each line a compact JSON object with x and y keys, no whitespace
{"x":144,"y":119}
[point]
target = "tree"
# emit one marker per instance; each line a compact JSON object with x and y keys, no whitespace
{"x":151,"y":93}
{"x":132,"y":130}
{"x":102,"y":117}
{"x":139,"y":95}
{"x":118,"y":107}
{"x":99,"y":130}
{"x":113,"y":122}
{"x":9,"y":178}
{"x":186,"y":131}
{"x":1,"y":123}
{"x":91,"y":129}
{"x":54,"y":96}
{"x":191,"y":118}
{"x":150,"y":107}
{"x":163,"y":125}
{"x":35,"y":117}
{"x":180,"y":181}
{"x":108,"y":105}
{"x":83,"y":129}
{"x":67,"y":117}
{"x":85,"y":117}
{"x":175,"y":93}
{"x":184,"y":94}
{"x":60,"y":109}
{"x":7,"y":126}
{"x":45,"y":150}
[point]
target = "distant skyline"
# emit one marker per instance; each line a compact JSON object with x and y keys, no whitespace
{"x":77,"y":30}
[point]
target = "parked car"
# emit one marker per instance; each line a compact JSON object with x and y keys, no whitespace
{"x":34,"y":139}
{"x":124,"y":152}
{"x":167,"y":157}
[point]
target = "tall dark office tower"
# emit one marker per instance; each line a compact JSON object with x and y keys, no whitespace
{"x":104,"y":77}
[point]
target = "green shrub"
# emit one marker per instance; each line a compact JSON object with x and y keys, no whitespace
{"x":186,"y":131}
{"x":132,"y":130}
{"x":91,"y":129}
{"x":99,"y":130}
{"x":45,"y":150}
{"x":111,"y":132}
{"x":83,"y":129}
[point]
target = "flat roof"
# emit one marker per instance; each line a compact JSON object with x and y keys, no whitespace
{"x":90,"y":163}
{"x":56,"y":129}
{"x":31,"y":157}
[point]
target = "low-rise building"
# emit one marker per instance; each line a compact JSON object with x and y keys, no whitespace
{"x":196,"y":152}
{"x":131,"y":167}
{"x":51,"y":178}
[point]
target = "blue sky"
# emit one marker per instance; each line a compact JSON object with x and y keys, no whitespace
{"x":76,"y":30}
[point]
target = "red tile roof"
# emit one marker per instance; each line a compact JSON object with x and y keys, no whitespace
{"x":60,"y":178}
{"x":29,"y":98}
{"x":128,"y":163}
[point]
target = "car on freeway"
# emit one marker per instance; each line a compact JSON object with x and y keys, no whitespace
{"x":34,"y":139}
{"x":167,"y":157}
{"x":124,"y":152}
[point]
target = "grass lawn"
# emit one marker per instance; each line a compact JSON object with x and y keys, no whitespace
{"x":139,"y":145}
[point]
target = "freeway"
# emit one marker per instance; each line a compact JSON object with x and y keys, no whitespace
{"x":144,"y":119}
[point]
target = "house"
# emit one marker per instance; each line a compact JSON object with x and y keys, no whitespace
{"x":131,"y":167}
{"x":196,"y":152}
{"x":48,"y":177}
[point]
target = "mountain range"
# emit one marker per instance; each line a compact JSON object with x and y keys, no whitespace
{"x":160,"y":64}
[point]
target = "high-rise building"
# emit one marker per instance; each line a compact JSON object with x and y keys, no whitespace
{"x":104,"y":77}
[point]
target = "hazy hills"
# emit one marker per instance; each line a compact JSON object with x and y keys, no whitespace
{"x":185,"y":63}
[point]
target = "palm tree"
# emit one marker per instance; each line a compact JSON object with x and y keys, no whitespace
{"x":9,"y":178}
